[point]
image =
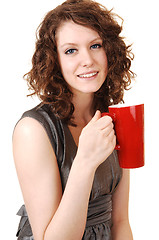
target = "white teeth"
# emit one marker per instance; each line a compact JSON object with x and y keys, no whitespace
{"x":87,"y":75}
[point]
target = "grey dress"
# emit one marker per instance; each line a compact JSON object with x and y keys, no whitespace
{"x":106,"y":180}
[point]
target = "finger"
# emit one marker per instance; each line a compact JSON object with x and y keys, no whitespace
{"x":114,"y":141}
{"x":110,"y":128}
{"x":104,"y":122}
{"x":111,"y":135}
{"x":96,"y":116}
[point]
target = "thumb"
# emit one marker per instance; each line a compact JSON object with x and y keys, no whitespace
{"x":96,"y":116}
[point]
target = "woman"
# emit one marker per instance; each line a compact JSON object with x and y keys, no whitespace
{"x":72,"y":184}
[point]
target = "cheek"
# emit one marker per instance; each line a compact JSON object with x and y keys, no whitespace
{"x":67,"y":66}
{"x":105,"y":63}
{"x":102,"y":61}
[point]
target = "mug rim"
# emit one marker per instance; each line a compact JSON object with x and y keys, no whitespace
{"x":124,"y":105}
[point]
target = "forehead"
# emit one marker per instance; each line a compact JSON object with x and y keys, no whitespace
{"x":72,"y":32}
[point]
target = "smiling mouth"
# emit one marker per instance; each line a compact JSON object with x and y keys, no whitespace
{"x":88,"y":75}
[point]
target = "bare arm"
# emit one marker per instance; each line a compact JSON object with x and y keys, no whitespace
{"x":51,"y":214}
{"x":121,"y":228}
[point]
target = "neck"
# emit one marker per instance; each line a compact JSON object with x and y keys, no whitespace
{"x":83,"y":108}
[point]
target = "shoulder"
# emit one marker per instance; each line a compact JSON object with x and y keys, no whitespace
{"x":28,"y":127}
{"x":31,"y":134}
{"x":40,"y":120}
{"x":40,"y":128}
{"x":31,"y":125}
{"x":30,"y":138}
{"x":32,"y":150}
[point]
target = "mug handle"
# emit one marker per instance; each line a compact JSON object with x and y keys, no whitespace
{"x":113,"y":116}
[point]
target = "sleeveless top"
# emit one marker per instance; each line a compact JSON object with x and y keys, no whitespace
{"x":106,"y":179}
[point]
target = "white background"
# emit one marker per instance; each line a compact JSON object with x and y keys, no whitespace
{"x":18,"y":23}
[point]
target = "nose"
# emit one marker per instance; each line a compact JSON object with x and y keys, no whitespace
{"x":86,"y":58}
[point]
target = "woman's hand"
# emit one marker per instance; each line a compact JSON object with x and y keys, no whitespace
{"x":97,"y":140}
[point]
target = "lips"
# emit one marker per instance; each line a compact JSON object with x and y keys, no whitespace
{"x":88,"y":75}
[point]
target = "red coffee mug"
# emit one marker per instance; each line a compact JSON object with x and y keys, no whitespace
{"x":129,"y":129}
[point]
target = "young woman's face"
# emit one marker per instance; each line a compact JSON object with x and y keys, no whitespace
{"x":82,"y":57}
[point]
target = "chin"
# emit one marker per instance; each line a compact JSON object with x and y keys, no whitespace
{"x":89,"y":91}
{"x":93,"y":89}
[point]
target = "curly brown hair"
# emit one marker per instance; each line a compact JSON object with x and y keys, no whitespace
{"x":45,"y":77}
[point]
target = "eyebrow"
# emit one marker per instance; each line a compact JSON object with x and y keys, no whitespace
{"x":74,"y":44}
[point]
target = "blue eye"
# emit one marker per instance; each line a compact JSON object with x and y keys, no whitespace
{"x":95,"y":46}
{"x":70,"y":51}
